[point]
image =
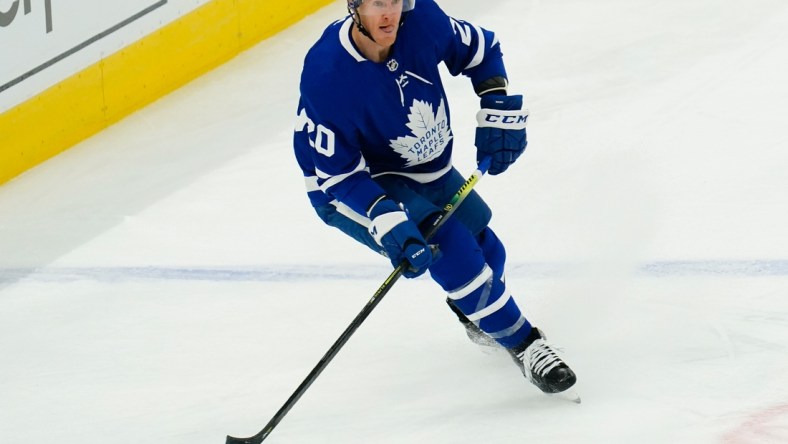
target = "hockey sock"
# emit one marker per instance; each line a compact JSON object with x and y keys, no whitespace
{"x":493,"y":250}
{"x":484,"y":298}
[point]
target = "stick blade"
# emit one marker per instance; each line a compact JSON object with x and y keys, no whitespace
{"x":253,"y":440}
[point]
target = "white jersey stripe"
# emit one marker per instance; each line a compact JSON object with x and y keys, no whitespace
{"x":420,"y":177}
{"x":508,"y":331}
{"x":492,"y":308}
{"x":479,"y":56}
{"x":484,"y":276}
{"x":330,"y":180}
{"x":350,"y":214}
{"x":311,"y":184}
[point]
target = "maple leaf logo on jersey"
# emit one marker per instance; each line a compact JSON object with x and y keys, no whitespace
{"x":431,"y":134}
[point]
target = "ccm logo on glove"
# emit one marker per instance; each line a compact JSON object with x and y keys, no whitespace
{"x":512,"y":121}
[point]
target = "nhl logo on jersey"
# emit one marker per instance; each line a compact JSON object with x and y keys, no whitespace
{"x":393,"y":65}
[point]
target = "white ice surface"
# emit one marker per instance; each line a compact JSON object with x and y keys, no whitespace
{"x":167,"y":282}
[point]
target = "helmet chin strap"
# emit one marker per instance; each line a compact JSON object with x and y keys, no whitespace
{"x":357,"y":21}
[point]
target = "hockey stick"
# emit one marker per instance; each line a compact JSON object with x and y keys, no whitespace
{"x":447,"y":211}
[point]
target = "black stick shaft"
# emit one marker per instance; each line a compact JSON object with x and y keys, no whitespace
{"x":384,"y":288}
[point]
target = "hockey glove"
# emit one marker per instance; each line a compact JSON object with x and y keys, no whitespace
{"x":501,"y":131}
{"x":400,"y":237}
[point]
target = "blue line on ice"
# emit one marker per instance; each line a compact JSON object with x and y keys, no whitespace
{"x":303,"y":272}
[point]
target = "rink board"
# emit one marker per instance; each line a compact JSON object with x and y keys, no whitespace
{"x":136,"y":75}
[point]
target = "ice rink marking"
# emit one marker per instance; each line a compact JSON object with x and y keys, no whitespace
{"x":306,"y":273}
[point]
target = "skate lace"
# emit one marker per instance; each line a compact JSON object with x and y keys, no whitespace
{"x":540,"y":358}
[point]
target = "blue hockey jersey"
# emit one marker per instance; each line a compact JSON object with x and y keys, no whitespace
{"x":359,"y":119}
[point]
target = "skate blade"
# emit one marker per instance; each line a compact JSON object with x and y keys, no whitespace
{"x":570,"y":395}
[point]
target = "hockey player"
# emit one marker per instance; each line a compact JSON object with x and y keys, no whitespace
{"x":374,"y":140}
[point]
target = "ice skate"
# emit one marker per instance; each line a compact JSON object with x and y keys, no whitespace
{"x":542,"y":366}
{"x":475,"y":334}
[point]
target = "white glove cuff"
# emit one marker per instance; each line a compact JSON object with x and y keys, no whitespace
{"x":386,"y":222}
{"x":503,"y":119}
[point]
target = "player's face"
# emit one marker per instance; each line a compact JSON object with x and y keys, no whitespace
{"x":381,"y":18}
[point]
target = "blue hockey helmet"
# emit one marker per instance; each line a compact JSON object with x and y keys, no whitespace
{"x":354,"y":5}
